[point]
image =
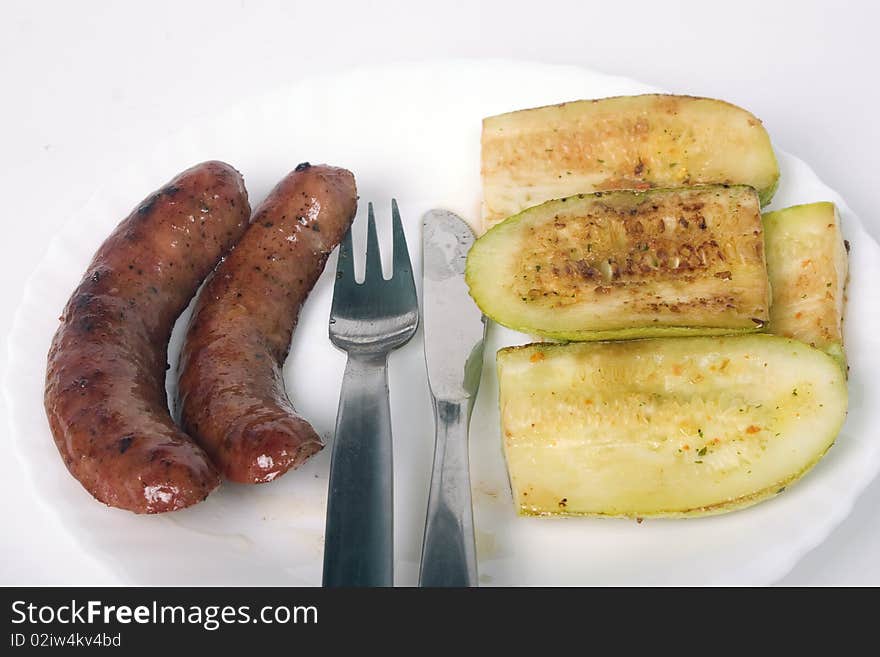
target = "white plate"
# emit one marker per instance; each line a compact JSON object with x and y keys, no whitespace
{"x":412,"y":132}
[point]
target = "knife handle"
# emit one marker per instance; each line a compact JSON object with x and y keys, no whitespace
{"x":449,"y":555}
{"x":359,"y":537}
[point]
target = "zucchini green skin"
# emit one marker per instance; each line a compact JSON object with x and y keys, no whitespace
{"x":635,"y":333}
{"x":627,"y":142}
{"x":808,"y":269}
{"x":627,"y":264}
{"x":638,"y":333}
{"x":629,"y":429}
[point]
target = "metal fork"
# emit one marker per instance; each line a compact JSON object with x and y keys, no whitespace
{"x":368,"y":320}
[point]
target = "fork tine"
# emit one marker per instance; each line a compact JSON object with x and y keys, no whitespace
{"x":402,"y":264}
{"x":403,"y":271}
{"x":345,"y":283}
{"x":345,"y":261}
{"x":373,"y":266}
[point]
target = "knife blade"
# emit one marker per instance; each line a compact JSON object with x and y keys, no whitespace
{"x":454,"y":332}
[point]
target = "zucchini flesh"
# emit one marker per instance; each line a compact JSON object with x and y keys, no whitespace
{"x":664,"y":427}
{"x":807,"y":265}
{"x":629,"y":142}
{"x":623,"y":264}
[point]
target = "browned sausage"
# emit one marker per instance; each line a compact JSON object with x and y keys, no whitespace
{"x":105,"y":381}
{"x":231,"y":392}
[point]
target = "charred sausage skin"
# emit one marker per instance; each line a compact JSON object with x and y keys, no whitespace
{"x":232,"y":395}
{"x":105,"y":382}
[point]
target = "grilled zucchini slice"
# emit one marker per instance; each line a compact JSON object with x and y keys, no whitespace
{"x":623,"y":264}
{"x":664,"y":427}
{"x":629,"y":142}
{"x":807,"y":265}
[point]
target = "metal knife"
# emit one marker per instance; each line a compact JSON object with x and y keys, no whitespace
{"x":454,"y":331}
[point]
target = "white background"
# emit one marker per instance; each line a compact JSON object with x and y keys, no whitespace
{"x":86,"y":85}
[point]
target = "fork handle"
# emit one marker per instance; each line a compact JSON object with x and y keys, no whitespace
{"x":359,"y":538}
{"x":448,"y":550}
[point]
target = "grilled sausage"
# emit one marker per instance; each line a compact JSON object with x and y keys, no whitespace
{"x":232,"y":396}
{"x":105,"y":382}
